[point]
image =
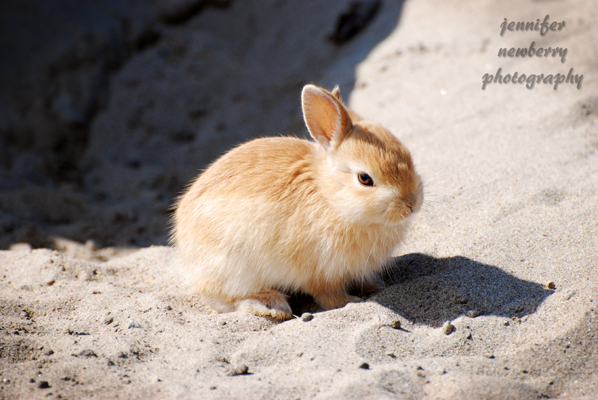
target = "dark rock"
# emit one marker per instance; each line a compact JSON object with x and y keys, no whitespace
{"x":44,"y":385}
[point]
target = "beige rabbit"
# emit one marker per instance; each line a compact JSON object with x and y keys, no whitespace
{"x":289,"y":215}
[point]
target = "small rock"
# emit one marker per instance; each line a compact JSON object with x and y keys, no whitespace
{"x":395,"y":324}
{"x":74,"y":332}
{"x":305,"y":317}
{"x":43,"y":385}
{"x":473,"y":313}
{"x":551,"y":285}
{"x":448,"y":328}
{"x":490,"y":356}
{"x":133,"y":325}
{"x":88,"y":353}
{"x":240,"y":369}
{"x":364,"y":365}
{"x":108,"y":320}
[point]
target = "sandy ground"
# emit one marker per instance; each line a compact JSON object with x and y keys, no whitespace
{"x":511,"y":205}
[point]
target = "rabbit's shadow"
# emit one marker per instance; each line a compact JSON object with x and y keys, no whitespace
{"x":428,"y":290}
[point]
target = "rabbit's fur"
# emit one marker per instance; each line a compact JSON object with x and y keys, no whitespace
{"x":286,"y":214}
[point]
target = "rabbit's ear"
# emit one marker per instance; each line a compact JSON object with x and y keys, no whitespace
{"x":326,"y":117}
{"x":336,"y":92}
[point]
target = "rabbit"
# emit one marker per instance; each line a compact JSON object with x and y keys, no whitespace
{"x":281,"y":215}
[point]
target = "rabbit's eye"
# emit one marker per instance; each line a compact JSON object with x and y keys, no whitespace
{"x":365,"y":179}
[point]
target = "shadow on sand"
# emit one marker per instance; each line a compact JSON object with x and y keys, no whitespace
{"x":428,"y":290}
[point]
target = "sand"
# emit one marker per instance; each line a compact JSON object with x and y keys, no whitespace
{"x":504,"y":249}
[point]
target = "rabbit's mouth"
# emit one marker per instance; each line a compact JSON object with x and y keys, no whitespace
{"x":402,"y":209}
{"x":396,"y":213}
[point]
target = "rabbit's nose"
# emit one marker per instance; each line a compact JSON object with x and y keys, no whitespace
{"x":411,"y":200}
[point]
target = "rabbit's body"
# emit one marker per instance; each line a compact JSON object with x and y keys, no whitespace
{"x":288,"y":214}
